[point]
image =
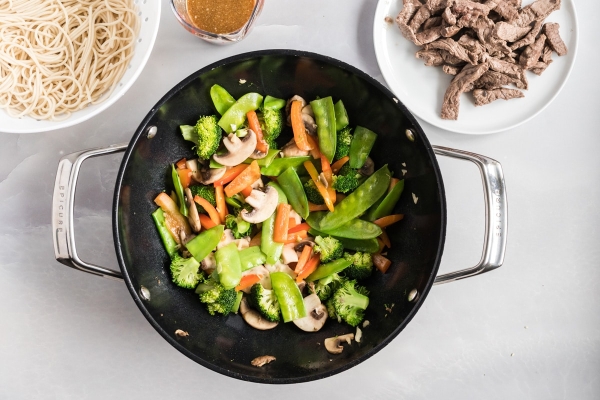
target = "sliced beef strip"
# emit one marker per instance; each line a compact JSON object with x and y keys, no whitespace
{"x":437,"y":5}
{"x":429,"y":35}
{"x":464,"y":79}
{"x":483,"y":97}
{"x":451,"y":69}
{"x":547,"y":54}
{"x":432,"y":22}
{"x":409,"y":9}
{"x":468,"y":6}
{"x":453,"y":48}
{"x":508,"y":32}
{"x":432,"y":58}
{"x":529,"y":38}
{"x":554,"y":39}
{"x":536,"y":11}
{"x":449,"y":16}
{"x":494,"y":80}
{"x":449,"y":31}
{"x":515,"y":71}
{"x":485,"y":33}
{"x":419,"y":19}
{"x":532,"y":53}
{"x":540,"y":67}
{"x":507,"y":10}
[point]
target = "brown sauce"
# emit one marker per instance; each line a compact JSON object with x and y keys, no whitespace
{"x":220,"y":16}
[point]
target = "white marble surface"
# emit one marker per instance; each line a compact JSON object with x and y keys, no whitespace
{"x":529,"y":330}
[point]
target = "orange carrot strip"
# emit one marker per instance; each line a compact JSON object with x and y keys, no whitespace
{"x":301,"y":227}
{"x":246,"y":192}
{"x":185,"y":176}
{"x":303,"y":259}
{"x":385,"y":239}
{"x":292,"y":224}
{"x":388,"y":220}
{"x":317,"y":207}
{"x":315,"y":152}
{"x":209,"y":208}
{"x":244,"y":179}
{"x":309,"y":268}
{"x":255,"y":241}
{"x":393,"y":182}
{"x":221,"y":204}
{"x":247,"y":281}
{"x":336,"y":166}
{"x":380,"y":262}
{"x":328,"y":174}
{"x":261,"y":144}
{"x":206,"y":222}
{"x":296,"y":237}
{"x":381,"y":245}
{"x":282,"y":220}
{"x":181,"y":163}
{"x":312,"y":171}
{"x":230,"y":174}
{"x":300,"y":135}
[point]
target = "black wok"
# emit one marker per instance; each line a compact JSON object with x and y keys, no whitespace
{"x":227,"y":344}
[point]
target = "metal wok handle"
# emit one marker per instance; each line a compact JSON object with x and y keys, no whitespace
{"x":63,"y":201}
{"x":494,"y":190}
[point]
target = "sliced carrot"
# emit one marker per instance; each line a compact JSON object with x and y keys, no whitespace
{"x":317,"y":207}
{"x":247,"y":191}
{"x":315,"y":152}
{"x":336,"y":166}
{"x":380,"y":262}
{"x":303,"y":259}
{"x":206,"y":222}
{"x":230,"y":174}
{"x":328,"y":174}
{"x":300,"y":135}
{"x":309,"y":268}
{"x":221,"y":204}
{"x":393,"y":182}
{"x":181,"y":163}
{"x":312,"y":171}
{"x":388,"y":220}
{"x":385,"y":239}
{"x":292,"y":224}
{"x":296,"y":237}
{"x":185,"y":176}
{"x":209,"y":208}
{"x":381,"y":245}
{"x":247,"y":281}
{"x":301,"y":227}
{"x":282,"y":220}
{"x":255,"y":241}
{"x":261,"y":144}
{"x":244,"y":179}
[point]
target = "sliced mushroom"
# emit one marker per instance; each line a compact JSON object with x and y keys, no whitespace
{"x":238,"y":149}
{"x":334,"y":344}
{"x":203,"y":174}
{"x":262,"y":360}
{"x":258,"y":184}
{"x":254,"y":319}
{"x":316,"y":314}
{"x":209,"y":263}
{"x":292,"y":150}
{"x":264,"y":204}
{"x":309,"y":124}
{"x":300,"y":246}
{"x":308,"y":110}
{"x":289,"y":254}
{"x":368,"y":168}
{"x":193,"y":217}
{"x":226,"y":239}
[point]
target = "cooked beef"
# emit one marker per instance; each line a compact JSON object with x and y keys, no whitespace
{"x":453,"y":48}
{"x":540,"y":67}
{"x":510,"y":33}
{"x":547,"y":54}
{"x":513,"y":70}
{"x":449,"y":16}
{"x":462,"y":81}
{"x":432,"y":22}
{"x":554,"y":39}
{"x":483,"y":97}
{"x":429,"y":35}
{"x":436,"y":5}
{"x":494,"y":80}
{"x":507,"y":10}
{"x":420,"y":17}
{"x":431,"y":57}
{"x":530,"y":37}
{"x":450,"y":69}
{"x":409,"y":9}
{"x":532,"y":53}
{"x":536,"y":11}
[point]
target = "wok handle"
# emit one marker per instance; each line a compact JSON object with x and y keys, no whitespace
{"x":494,"y":190}
{"x":63,"y":201}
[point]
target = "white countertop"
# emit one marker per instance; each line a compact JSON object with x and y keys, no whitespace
{"x":529,"y":330}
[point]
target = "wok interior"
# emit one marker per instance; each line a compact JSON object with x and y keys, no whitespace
{"x":227,"y":344}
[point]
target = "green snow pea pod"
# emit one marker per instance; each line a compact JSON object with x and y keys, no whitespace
{"x":358,"y":201}
{"x":250,"y":257}
{"x":229,"y":266}
{"x":353,"y":229}
{"x":205,"y":242}
{"x":272,"y":249}
{"x":265,"y":161}
{"x":179,"y":191}
{"x":292,"y":187}
{"x":235,"y":116}
{"x":364,"y":245}
{"x":221,"y":98}
{"x":279,"y":165}
{"x":341,"y":116}
{"x":326,"y":129}
{"x":170,"y":244}
{"x":238,"y":301}
{"x":386,"y":204}
{"x":361,"y":146}
{"x":273,"y":103}
{"x":330,"y":268}
{"x":288,"y":295}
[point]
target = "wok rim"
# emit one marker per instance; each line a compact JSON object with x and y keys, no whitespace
{"x":141,"y":130}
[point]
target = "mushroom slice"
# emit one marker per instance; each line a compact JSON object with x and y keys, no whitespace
{"x":316,"y":314}
{"x":368,"y":168}
{"x":334,"y":344}
{"x":309,"y":124}
{"x":254,"y":319}
{"x":292,"y":150}
{"x":203,"y":174}
{"x":300,"y":246}
{"x":288,"y":254}
{"x":238,"y":150}
{"x":262,"y":360}
{"x":264,"y":204}
{"x":193,"y":217}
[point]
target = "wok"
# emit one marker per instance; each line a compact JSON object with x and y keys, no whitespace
{"x":226,"y":344}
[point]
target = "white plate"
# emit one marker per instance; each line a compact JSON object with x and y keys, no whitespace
{"x":149,"y":14}
{"x":422,"y":88}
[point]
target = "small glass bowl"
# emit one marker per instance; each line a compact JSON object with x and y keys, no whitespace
{"x":179,"y":7}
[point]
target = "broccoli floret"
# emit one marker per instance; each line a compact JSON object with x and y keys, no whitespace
{"x":206,"y":192}
{"x":329,"y":248}
{"x":184,"y":271}
{"x":271,"y":123}
{"x":312,"y":193}
{"x":361,"y":267}
{"x":265,"y":302}
{"x":350,"y":302}
{"x":239,"y":227}
{"x":208,"y":135}
{"x":347,"y":179}
{"x":325,"y":287}
{"x":331,"y":309}
{"x":215,"y":296}
{"x":344,"y":138}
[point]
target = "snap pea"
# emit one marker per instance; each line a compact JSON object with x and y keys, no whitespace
{"x":272,"y":249}
{"x":238,"y":301}
{"x":361,"y":146}
{"x":279,"y":165}
{"x":326,"y":129}
{"x":386,"y":204}
{"x":353,"y":229}
{"x":229,"y":266}
{"x":235,"y":116}
{"x":358,"y":201}
{"x":288,"y":296}
{"x":179,"y":191}
{"x":330,"y":268}
{"x":341,"y":116}
{"x":205,"y":242}
{"x":221,"y":98}
{"x":250,"y":257}
{"x":364,"y":245}
{"x":292,"y":187}
{"x":273,"y":103}
{"x":159,"y":220}
{"x":265,"y":161}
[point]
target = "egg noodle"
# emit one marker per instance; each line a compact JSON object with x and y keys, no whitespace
{"x":59,"y":56}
